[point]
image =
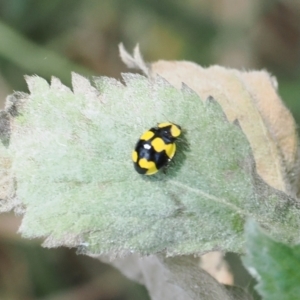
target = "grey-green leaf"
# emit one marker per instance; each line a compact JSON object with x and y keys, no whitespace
{"x":175,"y":278}
{"x":71,"y":153}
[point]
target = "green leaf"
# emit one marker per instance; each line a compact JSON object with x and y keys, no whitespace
{"x":275,"y":265}
{"x":72,"y":162}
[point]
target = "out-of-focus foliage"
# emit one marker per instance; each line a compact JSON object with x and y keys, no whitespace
{"x":241,"y":35}
{"x":275,"y":265}
{"x":56,"y":37}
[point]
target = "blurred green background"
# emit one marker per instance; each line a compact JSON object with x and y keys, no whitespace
{"x":53,"y":38}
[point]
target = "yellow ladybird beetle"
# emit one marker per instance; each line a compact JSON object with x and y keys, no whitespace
{"x":155,"y":148}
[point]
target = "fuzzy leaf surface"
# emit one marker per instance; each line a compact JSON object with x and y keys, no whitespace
{"x":71,"y":157}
